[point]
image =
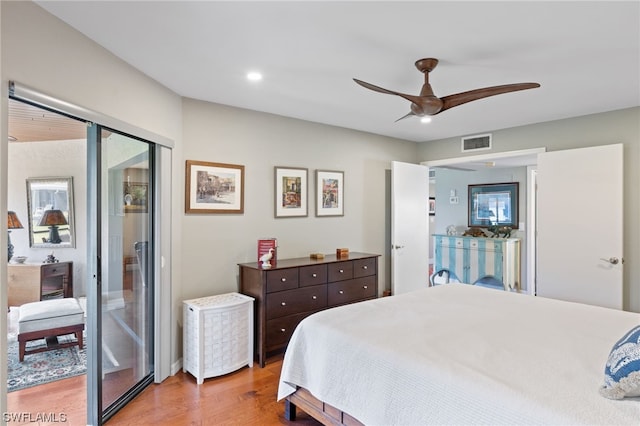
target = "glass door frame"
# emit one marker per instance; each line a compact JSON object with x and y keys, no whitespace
{"x":98,"y":262}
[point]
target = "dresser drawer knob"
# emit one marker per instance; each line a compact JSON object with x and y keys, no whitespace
{"x":283,"y":279}
{"x":341,"y":271}
{"x":314,"y":297}
{"x":283,"y":304}
{"x":282,"y":330}
{"x":341,"y":292}
{"x":365,"y":287}
{"x":314,"y":275}
{"x":364,"y":267}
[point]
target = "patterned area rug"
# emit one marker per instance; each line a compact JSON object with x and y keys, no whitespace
{"x":44,"y":367}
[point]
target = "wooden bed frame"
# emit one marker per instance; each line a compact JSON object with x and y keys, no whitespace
{"x":322,"y":412}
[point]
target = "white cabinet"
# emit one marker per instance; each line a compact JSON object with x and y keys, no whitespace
{"x":471,"y":258}
{"x":217,"y":335}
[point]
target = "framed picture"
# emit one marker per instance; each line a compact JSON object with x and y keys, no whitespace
{"x":50,"y":194}
{"x":493,"y":204}
{"x":432,"y":206}
{"x":214,"y":187}
{"x":291,"y":189}
{"x":329,"y":193}
{"x":135,"y":196}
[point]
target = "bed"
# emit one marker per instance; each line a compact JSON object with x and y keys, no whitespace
{"x":456,"y":354}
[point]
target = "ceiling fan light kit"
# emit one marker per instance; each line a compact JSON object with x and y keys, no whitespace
{"x":427,"y":103}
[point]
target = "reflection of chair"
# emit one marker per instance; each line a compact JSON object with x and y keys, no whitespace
{"x":443,"y":276}
{"x":142,"y":253}
{"x":490,"y":282}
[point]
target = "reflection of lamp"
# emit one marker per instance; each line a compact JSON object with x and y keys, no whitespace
{"x":53,"y":218}
{"x":12,"y":223}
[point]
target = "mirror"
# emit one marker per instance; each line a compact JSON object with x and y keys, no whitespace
{"x":50,"y":205}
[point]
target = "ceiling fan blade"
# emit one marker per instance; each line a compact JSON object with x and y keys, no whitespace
{"x":472,"y":95}
{"x":410,"y":98}
{"x":410,"y":114}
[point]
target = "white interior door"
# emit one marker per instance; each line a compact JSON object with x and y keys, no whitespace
{"x":409,"y":227}
{"x":580,"y":209}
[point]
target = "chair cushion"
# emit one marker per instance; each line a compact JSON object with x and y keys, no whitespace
{"x":49,"y":314}
{"x":622,"y":370}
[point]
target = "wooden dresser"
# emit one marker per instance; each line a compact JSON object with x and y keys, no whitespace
{"x":295,"y":288}
{"x":32,"y":282}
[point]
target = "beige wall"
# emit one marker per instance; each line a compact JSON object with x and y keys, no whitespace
{"x":214,"y":244}
{"x":622,"y":126}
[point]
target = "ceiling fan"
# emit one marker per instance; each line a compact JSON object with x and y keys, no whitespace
{"x":429,"y":104}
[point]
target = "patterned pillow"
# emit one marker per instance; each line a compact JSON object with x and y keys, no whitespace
{"x":622,"y":371}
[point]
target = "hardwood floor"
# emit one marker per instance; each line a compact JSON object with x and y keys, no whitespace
{"x":245,"y":397}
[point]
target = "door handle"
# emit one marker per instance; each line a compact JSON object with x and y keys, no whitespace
{"x":396,"y":247}
{"x":611,"y":260}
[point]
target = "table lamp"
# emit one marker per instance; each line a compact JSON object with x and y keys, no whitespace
{"x":12,"y":223}
{"x":53,"y":219}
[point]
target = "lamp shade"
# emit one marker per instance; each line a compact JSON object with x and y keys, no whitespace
{"x":52,"y":218}
{"x":13,"y":221}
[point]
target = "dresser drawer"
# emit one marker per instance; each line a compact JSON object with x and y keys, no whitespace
{"x":340,"y":271}
{"x":364,"y":267}
{"x":295,"y":301}
{"x":282,"y":279}
{"x":351,"y":290}
{"x":279,"y":330}
{"x":313,"y":275}
{"x":54,"y":270}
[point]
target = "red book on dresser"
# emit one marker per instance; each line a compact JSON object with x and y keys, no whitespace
{"x":264,"y":245}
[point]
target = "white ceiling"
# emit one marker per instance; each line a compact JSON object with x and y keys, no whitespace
{"x":585,"y":55}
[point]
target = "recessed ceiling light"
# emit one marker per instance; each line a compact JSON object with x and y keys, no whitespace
{"x":254,"y":76}
{"x":425,"y":120}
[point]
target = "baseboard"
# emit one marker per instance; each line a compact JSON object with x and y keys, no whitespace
{"x":176,"y":367}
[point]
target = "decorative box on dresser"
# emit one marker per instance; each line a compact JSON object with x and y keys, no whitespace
{"x":472,"y":258}
{"x":32,"y":282}
{"x":295,"y":288}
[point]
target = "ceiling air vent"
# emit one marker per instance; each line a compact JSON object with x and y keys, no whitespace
{"x":476,"y":143}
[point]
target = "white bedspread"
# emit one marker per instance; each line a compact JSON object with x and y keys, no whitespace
{"x":460,"y":354}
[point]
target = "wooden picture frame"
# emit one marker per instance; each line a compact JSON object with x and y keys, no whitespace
{"x":432,"y":206}
{"x":493,"y":204}
{"x":135,"y":197}
{"x":214,"y":187}
{"x":291,"y":192}
{"x":329,"y":193}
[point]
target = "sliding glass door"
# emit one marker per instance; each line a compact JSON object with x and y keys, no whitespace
{"x":128,"y":208}
{"x":121,"y":355}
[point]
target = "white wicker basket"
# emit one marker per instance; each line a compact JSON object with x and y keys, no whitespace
{"x":217,"y":335}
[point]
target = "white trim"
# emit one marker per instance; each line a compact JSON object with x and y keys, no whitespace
{"x":532,"y":230}
{"x":482,"y":157}
{"x":176,"y":366}
{"x":162,"y":262}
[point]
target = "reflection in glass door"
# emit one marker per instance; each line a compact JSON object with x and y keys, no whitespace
{"x":125,"y":283}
